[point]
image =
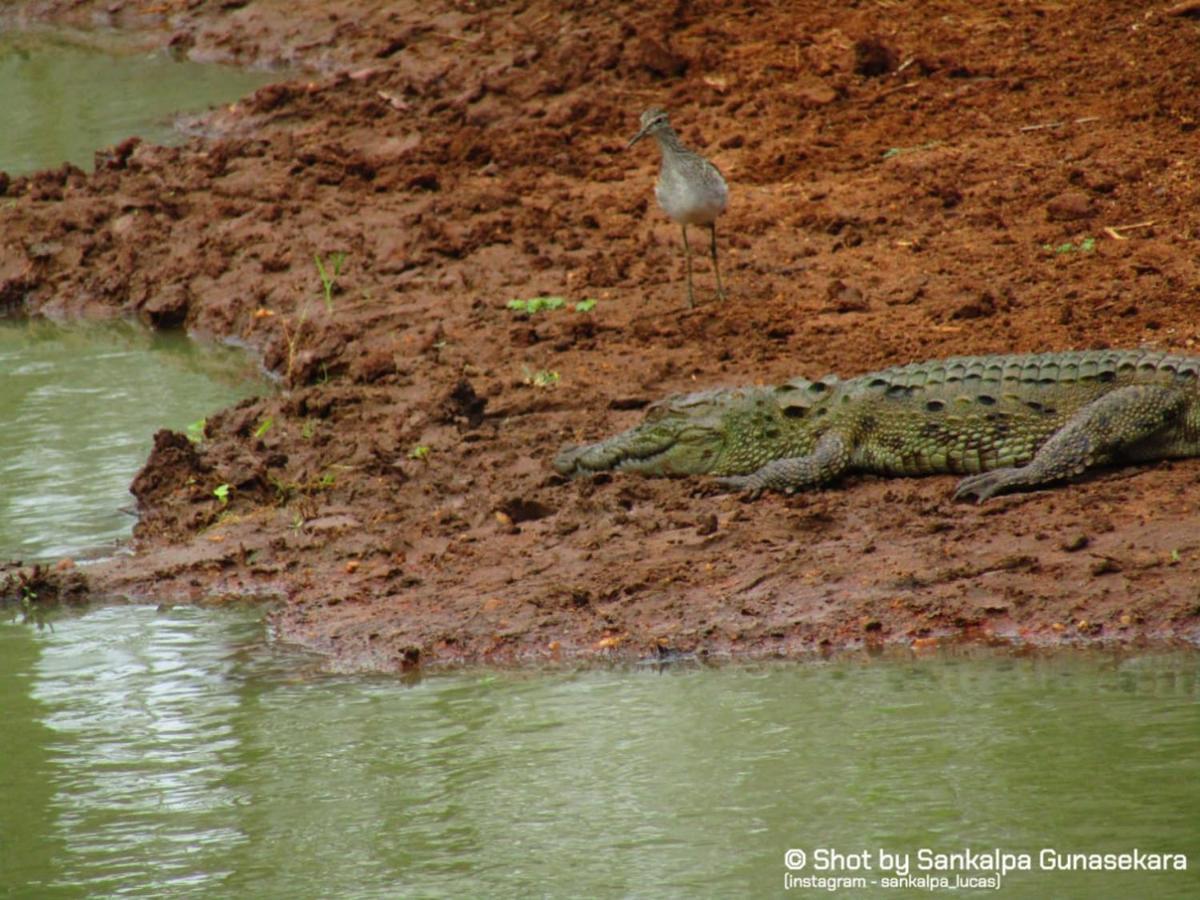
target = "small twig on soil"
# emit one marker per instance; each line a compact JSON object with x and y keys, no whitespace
{"x":908,"y":85}
{"x":1082,"y":121}
{"x":1114,"y":231}
{"x":1187,"y":8}
{"x":457,"y":37}
{"x":393,"y":101}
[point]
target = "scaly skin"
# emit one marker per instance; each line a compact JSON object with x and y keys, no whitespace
{"x":1008,"y":422}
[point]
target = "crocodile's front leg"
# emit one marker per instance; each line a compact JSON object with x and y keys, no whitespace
{"x":1094,"y":435}
{"x":829,"y":459}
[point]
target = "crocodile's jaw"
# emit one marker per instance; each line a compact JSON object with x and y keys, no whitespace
{"x":689,"y":435}
{"x":650,"y":449}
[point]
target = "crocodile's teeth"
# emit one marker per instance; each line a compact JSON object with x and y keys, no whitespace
{"x":631,"y":461}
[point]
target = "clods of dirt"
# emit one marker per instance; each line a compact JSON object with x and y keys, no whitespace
{"x":904,"y":185}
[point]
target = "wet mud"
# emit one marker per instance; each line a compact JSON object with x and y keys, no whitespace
{"x":906,"y":182}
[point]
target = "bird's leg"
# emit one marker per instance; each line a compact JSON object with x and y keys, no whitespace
{"x":716,"y":268}
{"x":687,"y":252}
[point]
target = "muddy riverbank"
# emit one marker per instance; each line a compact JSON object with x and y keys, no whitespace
{"x":906,"y":183}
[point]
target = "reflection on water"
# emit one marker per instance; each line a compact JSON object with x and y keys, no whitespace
{"x":78,"y":411}
{"x":143,"y":738}
{"x":173,"y":754}
{"x":67,"y":96}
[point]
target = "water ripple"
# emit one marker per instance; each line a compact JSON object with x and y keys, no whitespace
{"x":79,"y":408}
{"x":173,"y":754}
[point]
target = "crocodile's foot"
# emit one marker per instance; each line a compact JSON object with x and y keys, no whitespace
{"x":986,"y":485}
{"x":747,"y":485}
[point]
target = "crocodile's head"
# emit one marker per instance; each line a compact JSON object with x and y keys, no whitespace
{"x":720,"y":432}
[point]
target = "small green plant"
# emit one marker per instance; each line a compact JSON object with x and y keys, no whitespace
{"x":195,"y":430}
{"x":327,"y":481}
{"x":284,"y":490}
{"x":263,"y":427}
{"x":28,"y":582}
{"x":418,"y":452}
{"x":1087,"y":245}
{"x":535,"y":305}
{"x":329,"y":270}
{"x":292,"y":336}
{"x":309,"y":429}
{"x":542,"y":378}
{"x":900,"y":151}
{"x":221,"y":492}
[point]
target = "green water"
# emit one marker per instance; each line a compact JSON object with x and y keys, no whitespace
{"x":176,"y":754}
{"x":78,"y":412}
{"x":66,"y":96}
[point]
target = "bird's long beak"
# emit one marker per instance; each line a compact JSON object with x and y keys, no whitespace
{"x":637,"y":137}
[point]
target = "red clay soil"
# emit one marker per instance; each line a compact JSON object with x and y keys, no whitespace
{"x":907,"y":181}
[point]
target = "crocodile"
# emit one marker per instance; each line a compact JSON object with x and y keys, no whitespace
{"x":1007,"y":422}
